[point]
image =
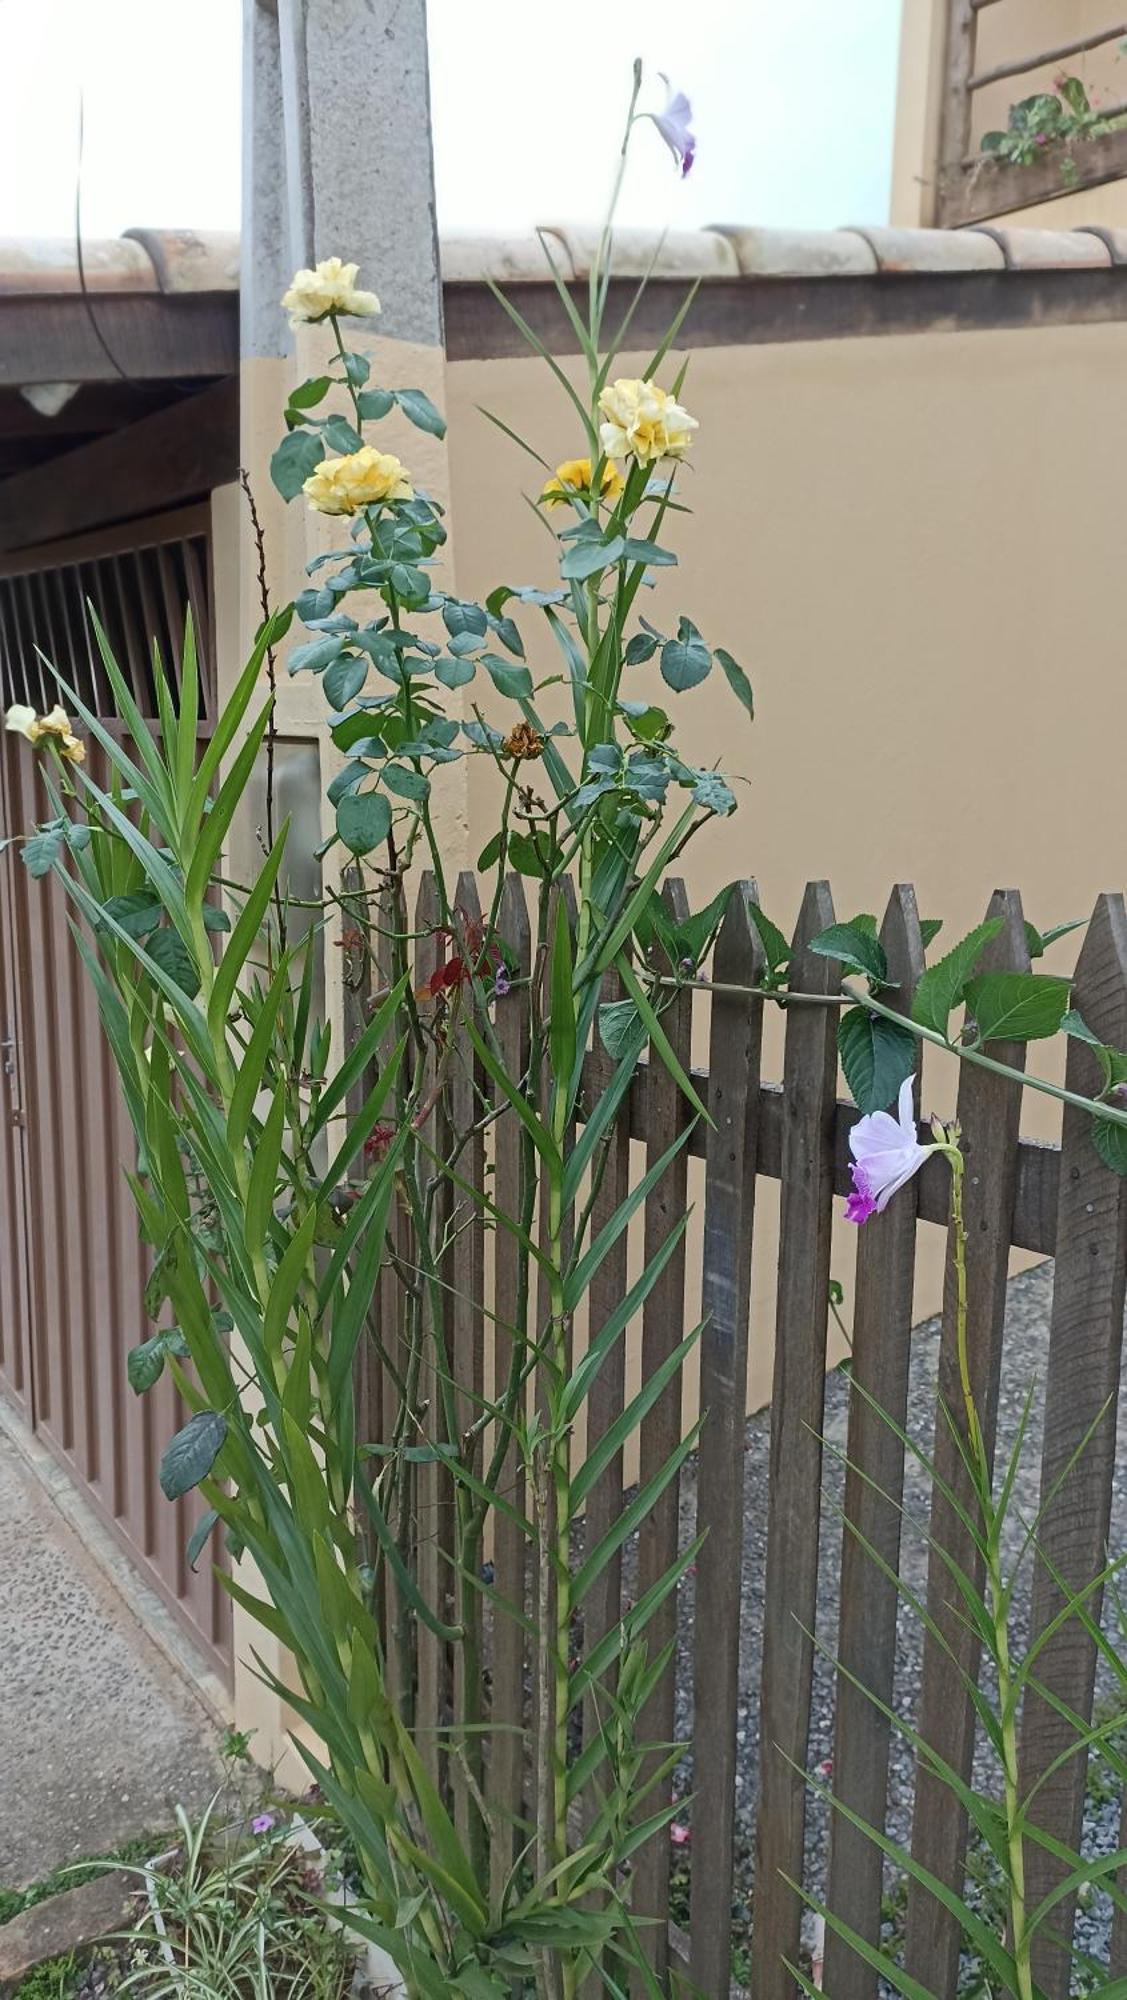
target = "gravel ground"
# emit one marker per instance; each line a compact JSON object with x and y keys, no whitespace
{"x":1027,"y":1327}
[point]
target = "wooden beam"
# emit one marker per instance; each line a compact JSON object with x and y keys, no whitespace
{"x":1093,"y":40}
{"x":954,"y":115}
{"x":743,"y":312}
{"x":179,"y":454}
{"x":141,"y":338}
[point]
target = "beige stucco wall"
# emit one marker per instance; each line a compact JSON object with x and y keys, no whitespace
{"x":910,"y":543}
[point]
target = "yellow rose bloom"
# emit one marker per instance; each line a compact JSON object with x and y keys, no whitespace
{"x":574,"y":476}
{"x":58,"y":724}
{"x":35,"y":727}
{"x":644,"y":421}
{"x":23,"y":720}
{"x":365,"y":477}
{"x":329,"y":288}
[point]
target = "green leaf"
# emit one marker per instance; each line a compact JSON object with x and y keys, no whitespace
{"x":341,"y":435}
{"x":296,"y":458}
{"x":620,"y":1030}
{"x":137,"y":914}
{"x":649,"y":553}
{"x":776,"y":948}
{"x":1110,"y":1142}
{"x":453,"y":672}
{"x":853,"y":945}
{"x":1112,"y":1061}
{"x":515,"y":682}
{"x":1038,"y":942}
{"x":685,"y":660}
{"x":42,"y":849}
{"x":311,"y":392}
{"x":420,"y":411}
{"x":640,"y":648}
{"x":144,"y":1365}
{"x":405,"y":781}
{"x":363,"y":821}
{"x":737,"y":680}
{"x":167,"y":949}
{"x":1016,"y":1006}
{"x":526,"y":857}
{"x":876,"y":1056}
{"x":372,"y":404}
{"x":941,"y":986}
{"x":930,"y":928}
{"x":343,"y":679}
{"x":199,"y":1536}
{"x":192,"y":1453}
{"x":586,"y":557}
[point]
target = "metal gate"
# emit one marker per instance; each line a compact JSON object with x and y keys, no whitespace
{"x":72,"y":1272}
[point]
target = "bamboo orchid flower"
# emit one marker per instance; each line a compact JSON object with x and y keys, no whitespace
{"x":886,"y":1153}
{"x":674,"y":125}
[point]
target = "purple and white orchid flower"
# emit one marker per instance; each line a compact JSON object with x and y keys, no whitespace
{"x":673,"y":123}
{"x":886,"y":1153}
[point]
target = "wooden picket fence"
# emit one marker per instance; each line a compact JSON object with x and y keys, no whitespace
{"x":1058,"y":1201}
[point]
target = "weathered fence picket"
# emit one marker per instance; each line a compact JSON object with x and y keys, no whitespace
{"x":794,"y":1487}
{"x":1081,"y":1389}
{"x":874,"y":1483}
{"x":729,"y":1208}
{"x":1037,"y":1197}
{"x":989,"y":1112}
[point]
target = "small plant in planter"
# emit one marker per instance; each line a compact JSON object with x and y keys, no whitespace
{"x":1048,"y":122}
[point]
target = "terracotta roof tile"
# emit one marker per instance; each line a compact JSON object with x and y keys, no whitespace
{"x":932,"y":250}
{"x":185,"y":261}
{"x":1045,"y":249}
{"x":799,"y":253}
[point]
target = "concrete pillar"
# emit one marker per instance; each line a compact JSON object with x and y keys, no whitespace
{"x":336,"y":162}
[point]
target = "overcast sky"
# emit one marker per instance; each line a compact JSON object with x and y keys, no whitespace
{"x":793,"y":104}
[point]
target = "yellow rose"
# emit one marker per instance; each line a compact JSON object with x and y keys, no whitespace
{"x":574,"y":476}
{"x":24,"y":721}
{"x":644,"y":421}
{"x":329,"y":288}
{"x":345,"y":485}
{"x":58,"y":724}
{"x":36,"y":727}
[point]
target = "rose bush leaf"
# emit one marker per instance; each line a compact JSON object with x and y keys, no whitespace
{"x":192,"y":1453}
{"x":296,"y":458}
{"x":363,"y":821}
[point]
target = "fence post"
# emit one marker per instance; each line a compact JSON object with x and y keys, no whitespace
{"x":731,"y":1151}
{"x":874,"y":1483}
{"x":989,"y":1111}
{"x":1081,"y":1392}
{"x":794,"y":1488}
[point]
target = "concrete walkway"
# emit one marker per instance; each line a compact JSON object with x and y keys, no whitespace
{"x":101,"y":1735}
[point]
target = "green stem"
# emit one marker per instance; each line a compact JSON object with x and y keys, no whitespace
{"x":998,"y":1600}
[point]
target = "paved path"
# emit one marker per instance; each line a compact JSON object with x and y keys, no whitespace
{"x":100,"y":1734}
